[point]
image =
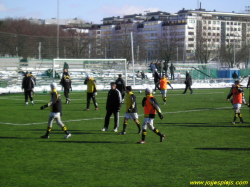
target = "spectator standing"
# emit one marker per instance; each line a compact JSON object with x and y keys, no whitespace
{"x":188,"y":83}
{"x":172,"y":69}
{"x":131,"y":110}
{"x":28,"y":85}
{"x":55,"y":112}
{"x":152,"y":67}
{"x":235,"y":76}
{"x":121,"y":85}
{"x":150,"y":105}
{"x":165,"y":67}
{"x":91,"y":92}
{"x":113,"y":106}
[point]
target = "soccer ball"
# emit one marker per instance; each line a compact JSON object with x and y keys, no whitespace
{"x":153,"y":92}
{"x":139,"y":91}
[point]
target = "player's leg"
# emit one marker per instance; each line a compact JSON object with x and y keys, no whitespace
{"x":144,"y":131}
{"x":88,"y":100}
{"x":64,"y":128}
{"x":155,"y":130}
{"x":94,"y":101}
{"x":31,"y":96}
{"x":125,"y":123}
{"x":106,"y":122}
{"x":49,"y":128}
{"x":116,"y":121}
{"x":26,"y":97}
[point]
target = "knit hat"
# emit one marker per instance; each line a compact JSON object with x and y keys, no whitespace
{"x":149,"y":90}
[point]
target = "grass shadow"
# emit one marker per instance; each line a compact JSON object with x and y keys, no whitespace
{"x":225,"y":149}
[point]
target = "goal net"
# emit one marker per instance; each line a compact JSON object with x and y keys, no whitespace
{"x":103,"y":71}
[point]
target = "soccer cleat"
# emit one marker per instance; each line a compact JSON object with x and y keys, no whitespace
{"x":45,"y":136}
{"x":96,"y":108}
{"x":67,"y":136}
{"x":68,"y":101}
{"x":141,"y":142}
{"x":33,"y":103}
{"x":87,"y":109}
{"x":162,"y":138}
{"x":104,"y":129}
{"x":241,"y":121}
{"x":233,"y":122}
{"x":122,"y":133}
{"x":165,"y":103}
{"x":116,"y":129}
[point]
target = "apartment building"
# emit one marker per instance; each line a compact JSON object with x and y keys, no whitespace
{"x":187,"y":26}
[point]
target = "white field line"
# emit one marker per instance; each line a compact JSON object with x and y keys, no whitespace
{"x":120,"y":116}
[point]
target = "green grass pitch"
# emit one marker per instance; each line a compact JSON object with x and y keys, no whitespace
{"x":201,"y":144}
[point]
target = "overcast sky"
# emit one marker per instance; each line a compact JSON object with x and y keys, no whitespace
{"x":95,"y":10}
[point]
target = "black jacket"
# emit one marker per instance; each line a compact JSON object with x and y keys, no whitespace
{"x":156,"y":77}
{"x":28,"y":83}
{"x":114,"y":100}
{"x":55,"y":103}
{"x":188,"y":80}
{"x":66,"y":82}
{"x":120,"y":85}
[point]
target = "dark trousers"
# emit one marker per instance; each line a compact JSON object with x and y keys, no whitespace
{"x":172,"y":76}
{"x":28,"y":93}
{"x":188,"y":86}
{"x":116,"y":118}
{"x":123,"y":95}
{"x":89,"y":96}
{"x":66,"y":93}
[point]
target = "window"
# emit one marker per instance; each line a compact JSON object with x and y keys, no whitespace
{"x":209,"y":28}
{"x":218,"y":34}
{"x":209,"y":34}
{"x":209,"y":22}
{"x":191,"y":21}
{"x":214,"y":28}
{"x":214,"y":22}
{"x":238,"y":29}
{"x":218,"y":22}
{"x":190,"y":45}
{"x":204,"y":34}
{"x":218,"y":28}
{"x":190,"y":33}
{"x":205,"y":28}
{"x":190,"y":39}
{"x":204,"y":22}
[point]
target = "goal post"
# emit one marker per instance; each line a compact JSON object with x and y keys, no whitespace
{"x":103,"y":70}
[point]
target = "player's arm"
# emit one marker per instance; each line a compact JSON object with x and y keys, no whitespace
{"x":133,"y":101}
{"x":156,"y":106}
{"x":53,"y":101}
{"x":169,"y":84}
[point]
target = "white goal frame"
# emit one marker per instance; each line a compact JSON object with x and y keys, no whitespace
{"x":56,"y":66}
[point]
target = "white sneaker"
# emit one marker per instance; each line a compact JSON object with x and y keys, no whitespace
{"x":116,"y":129}
{"x":67,"y":136}
{"x":104,"y":129}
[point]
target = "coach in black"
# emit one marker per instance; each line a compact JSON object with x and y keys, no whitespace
{"x":28,"y":85}
{"x":113,"y":106}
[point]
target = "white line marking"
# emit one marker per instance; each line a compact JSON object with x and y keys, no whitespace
{"x":120,"y":116}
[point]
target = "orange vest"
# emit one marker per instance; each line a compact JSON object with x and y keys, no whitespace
{"x":163,"y":83}
{"x":237,"y":96}
{"x":148,"y":107}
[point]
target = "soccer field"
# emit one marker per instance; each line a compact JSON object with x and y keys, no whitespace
{"x":201,"y":143}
